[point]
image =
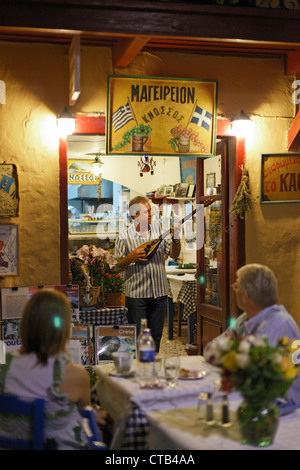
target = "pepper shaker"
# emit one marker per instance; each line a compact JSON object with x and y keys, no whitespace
{"x":225,"y":413}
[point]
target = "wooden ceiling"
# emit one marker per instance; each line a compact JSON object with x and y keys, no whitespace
{"x":131,"y":26}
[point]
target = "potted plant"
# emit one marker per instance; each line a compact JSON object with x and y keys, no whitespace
{"x":113,"y":285}
{"x":96,"y":262}
{"x":139,"y":136}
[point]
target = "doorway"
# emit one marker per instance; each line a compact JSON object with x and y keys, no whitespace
{"x":223,"y":251}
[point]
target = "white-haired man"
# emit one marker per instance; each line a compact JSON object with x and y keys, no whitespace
{"x":256,"y":295}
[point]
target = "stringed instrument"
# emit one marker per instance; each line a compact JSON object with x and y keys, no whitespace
{"x":152,"y":246}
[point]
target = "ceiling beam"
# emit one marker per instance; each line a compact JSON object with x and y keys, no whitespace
{"x":154,"y":18}
{"x":127,"y":49}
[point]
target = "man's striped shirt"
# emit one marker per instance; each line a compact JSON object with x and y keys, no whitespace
{"x":144,"y":280}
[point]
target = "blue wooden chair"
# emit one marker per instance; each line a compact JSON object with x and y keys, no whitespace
{"x":10,"y":404}
{"x":35,"y":411}
{"x":92,"y":430}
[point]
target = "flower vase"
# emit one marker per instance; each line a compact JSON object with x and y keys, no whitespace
{"x":258,"y":422}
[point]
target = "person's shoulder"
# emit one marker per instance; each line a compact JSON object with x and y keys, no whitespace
{"x":283,"y":320}
{"x":76,"y":372}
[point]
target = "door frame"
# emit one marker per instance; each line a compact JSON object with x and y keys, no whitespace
{"x":233,"y":239}
{"x":83,"y":125}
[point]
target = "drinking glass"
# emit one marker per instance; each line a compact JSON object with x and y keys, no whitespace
{"x":172,"y":367}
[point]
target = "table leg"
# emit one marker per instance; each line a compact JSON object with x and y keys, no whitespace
{"x":191,"y":327}
{"x":170,"y":316}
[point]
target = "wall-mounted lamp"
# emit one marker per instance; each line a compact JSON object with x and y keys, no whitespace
{"x":242,"y":125}
{"x":65,"y":123}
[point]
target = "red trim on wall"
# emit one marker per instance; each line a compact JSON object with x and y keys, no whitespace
{"x":89,"y":124}
{"x":294,"y":131}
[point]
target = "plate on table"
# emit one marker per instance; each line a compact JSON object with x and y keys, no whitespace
{"x":186,"y":374}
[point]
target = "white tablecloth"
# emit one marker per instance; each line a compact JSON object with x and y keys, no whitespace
{"x":176,"y":283}
{"x":120,"y":396}
{"x":182,"y":429}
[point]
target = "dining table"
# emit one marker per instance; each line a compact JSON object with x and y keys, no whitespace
{"x":186,"y":428}
{"x":174,"y":418}
{"x":103,"y":315}
{"x":183,"y":289}
{"x":128,"y":403}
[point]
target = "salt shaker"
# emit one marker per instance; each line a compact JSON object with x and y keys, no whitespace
{"x":209,"y":410}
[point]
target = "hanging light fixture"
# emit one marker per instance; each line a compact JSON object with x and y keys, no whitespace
{"x":65,"y":123}
{"x":242,"y":125}
{"x":97,"y":166}
{"x":146,"y":164}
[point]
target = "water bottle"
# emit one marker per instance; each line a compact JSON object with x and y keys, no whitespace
{"x":146,"y":373}
{"x":140,"y":335}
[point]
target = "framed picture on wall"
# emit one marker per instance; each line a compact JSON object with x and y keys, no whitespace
{"x":168,"y":190}
{"x":9,"y":191}
{"x":9,"y":250}
{"x":181,"y":190}
{"x":280,"y":178}
{"x":191,"y":190}
{"x":211,"y":180}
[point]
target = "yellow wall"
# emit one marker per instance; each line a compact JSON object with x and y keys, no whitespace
{"x":36,"y":78}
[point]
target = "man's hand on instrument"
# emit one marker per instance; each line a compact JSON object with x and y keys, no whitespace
{"x":139,"y":254}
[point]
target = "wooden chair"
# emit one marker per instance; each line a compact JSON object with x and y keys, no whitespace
{"x":35,"y":411}
{"x":92,"y":430}
{"x":12,"y":405}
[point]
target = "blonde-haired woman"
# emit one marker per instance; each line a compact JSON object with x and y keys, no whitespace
{"x":43,"y":370}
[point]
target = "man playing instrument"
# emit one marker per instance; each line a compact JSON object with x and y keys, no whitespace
{"x":146,"y":288}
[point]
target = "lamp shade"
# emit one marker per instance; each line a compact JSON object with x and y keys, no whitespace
{"x":65,"y":123}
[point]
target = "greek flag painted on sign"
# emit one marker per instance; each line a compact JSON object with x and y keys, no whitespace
{"x":201,"y":117}
{"x":121,"y":116}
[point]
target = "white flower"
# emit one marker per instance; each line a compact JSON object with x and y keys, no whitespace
{"x":259,"y":342}
{"x":242,"y":360}
{"x":251,"y":339}
{"x":244,"y":346}
{"x":276,"y":358}
{"x":224,"y":343}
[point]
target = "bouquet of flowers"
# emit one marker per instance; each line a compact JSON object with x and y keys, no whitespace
{"x":261,"y":372}
{"x":98,"y":263}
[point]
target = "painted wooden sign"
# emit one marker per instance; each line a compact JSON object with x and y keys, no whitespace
{"x":280,"y":178}
{"x":161,"y":116}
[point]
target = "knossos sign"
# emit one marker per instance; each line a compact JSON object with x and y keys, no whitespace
{"x":161,"y":116}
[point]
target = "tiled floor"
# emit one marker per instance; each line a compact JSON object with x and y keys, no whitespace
{"x":176,"y":346}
